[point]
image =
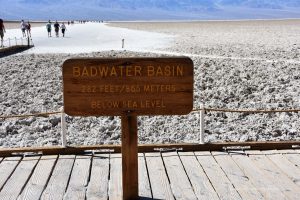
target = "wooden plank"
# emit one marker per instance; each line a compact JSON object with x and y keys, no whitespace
{"x":18,"y":180}
{"x":143,"y":148}
{"x":39,"y":178}
{"x":7,"y":167}
{"x":79,"y":179}
{"x":58,"y":150}
{"x":159,"y":182}
{"x":290,"y":169}
{"x":200,"y":182}
{"x":130,"y":178}
{"x":275,"y":175}
{"x":292,"y":155}
{"x":266,"y":187}
{"x":115,"y":182}
{"x":179,"y":181}
{"x":98,"y":185}
{"x":218,"y":178}
{"x":113,"y":86}
{"x":58,"y":181}
{"x":237,"y":177}
{"x":144,"y":184}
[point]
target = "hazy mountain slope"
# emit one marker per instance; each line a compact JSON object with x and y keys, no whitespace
{"x":149,"y":9}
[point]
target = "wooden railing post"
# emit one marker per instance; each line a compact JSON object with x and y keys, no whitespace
{"x":201,"y":118}
{"x":63,"y":129}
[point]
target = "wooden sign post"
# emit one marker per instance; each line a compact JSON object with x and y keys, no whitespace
{"x":128,"y":87}
{"x":130,"y":157}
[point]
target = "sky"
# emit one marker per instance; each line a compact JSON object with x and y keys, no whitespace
{"x":149,"y":9}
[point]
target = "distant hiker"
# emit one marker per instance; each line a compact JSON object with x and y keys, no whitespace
{"x":68,"y":22}
{"x":48,"y":27}
{"x":56,"y":28}
{"x":23,"y":28}
{"x":2,"y":31}
{"x":63,"y":29}
{"x":28,"y":29}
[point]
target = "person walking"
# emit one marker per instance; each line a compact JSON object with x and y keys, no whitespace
{"x":28,"y":29}
{"x":23,"y":28}
{"x":2,"y":31}
{"x":63,"y":29}
{"x":56,"y":28}
{"x":48,"y":27}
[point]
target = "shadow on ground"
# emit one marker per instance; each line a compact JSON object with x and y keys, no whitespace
{"x":13,"y":50}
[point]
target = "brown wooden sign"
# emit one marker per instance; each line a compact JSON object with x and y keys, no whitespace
{"x":142,"y":86}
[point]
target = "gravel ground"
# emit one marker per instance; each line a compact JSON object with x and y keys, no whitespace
{"x":32,"y":83}
{"x":270,"y":39}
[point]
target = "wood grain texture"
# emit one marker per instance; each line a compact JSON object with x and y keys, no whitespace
{"x":58,"y":181}
{"x":98,"y":185}
{"x":39,"y":178}
{"x":144,"y":184}
{"x":200,"y":182}
{"x":275,"y":175}
{"x":144,"y":86}
{"x":266,"y":187}
{"x":293,"y":156}
{"x":130,"y":157}
{"x":218,"y":178}
{"x":7,"y":166}
{"x":160,"y":185}
{"x":115,"y":182}
{"x":18,"y":180}
{"x":179,"y":181}
{"x":79,"y":179}
{"x":237,"y":177}
{"x":290,"y":169}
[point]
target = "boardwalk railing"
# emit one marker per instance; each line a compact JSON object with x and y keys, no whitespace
{"x":202,"y":110}
{"x":11,"y":42}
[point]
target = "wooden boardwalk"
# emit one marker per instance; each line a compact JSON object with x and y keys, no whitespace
{"x":170,"y":175}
